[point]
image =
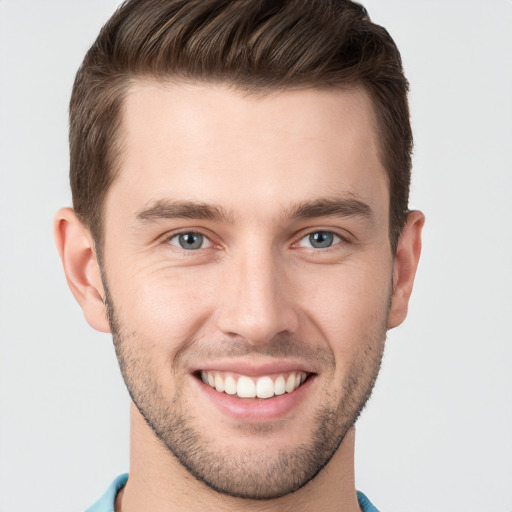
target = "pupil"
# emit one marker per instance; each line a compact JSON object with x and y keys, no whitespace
{"x":191,"y":240}
{"x":321,"y":239}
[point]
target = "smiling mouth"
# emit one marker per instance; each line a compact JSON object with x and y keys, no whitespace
{"x":242,"y":386}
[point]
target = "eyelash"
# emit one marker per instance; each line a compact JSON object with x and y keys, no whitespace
{"x":337,"y":239}
{"x":177,"y":235}
{"x":334,"y":235}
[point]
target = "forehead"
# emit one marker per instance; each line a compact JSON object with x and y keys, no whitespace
{"x":211,"y":143}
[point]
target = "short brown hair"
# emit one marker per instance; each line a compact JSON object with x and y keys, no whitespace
{"x":254,"y":45}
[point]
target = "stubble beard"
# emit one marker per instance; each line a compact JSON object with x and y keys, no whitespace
{"x":251,"y":473}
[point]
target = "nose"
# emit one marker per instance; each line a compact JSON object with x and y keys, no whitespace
{"x":257,"y":300}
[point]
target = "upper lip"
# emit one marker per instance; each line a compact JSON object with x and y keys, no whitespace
{"x":254,"y":369}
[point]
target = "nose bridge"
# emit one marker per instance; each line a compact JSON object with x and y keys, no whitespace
{"x":257,"y":303}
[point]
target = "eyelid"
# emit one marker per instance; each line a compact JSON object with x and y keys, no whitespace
{"x":174,"y":234}
{"x":342,"y":239}
{"x":166,"y":239}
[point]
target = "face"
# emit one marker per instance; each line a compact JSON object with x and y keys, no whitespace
{"x":249,"y":275}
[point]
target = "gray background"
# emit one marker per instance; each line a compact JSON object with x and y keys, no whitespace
{"x":437,"y":435}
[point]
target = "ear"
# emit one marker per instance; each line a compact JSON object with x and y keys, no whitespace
{"x":76,"y":249}
{"x":404,"y":267}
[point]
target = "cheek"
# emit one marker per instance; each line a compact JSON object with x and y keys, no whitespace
{"x":163,"y":306}
{"x":350,"y":307}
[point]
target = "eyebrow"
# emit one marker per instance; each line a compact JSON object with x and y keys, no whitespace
{"x":331,"y":207}
{"x":167,"y":209}
{"x":194,"y":210}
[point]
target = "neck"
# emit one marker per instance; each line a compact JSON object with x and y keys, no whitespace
{"x":158,"y":482}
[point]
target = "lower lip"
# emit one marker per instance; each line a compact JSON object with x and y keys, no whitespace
{"x":256,"y":410}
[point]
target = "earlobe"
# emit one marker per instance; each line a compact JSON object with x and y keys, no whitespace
{"x":404,"y":268}
{"x":76,"y":249}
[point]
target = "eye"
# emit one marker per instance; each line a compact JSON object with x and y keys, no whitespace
{"x":190,"y":241}
{"x":320,"y":240}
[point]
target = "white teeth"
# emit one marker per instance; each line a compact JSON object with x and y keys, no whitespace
{"x":245,"y":388}
{"x":219,"y":383}
{"x":248,"y":387}
{"x":279,"y":386}
{"x":230,"y":385}
{"x":264,"y":387}
{"x":290,"y":383}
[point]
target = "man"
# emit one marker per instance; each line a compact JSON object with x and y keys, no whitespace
{"x":240,"y":223}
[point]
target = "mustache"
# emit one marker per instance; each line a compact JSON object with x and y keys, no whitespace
{"x":280,"y":347}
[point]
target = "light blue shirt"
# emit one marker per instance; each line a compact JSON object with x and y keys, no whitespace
{"x":106,"y":502}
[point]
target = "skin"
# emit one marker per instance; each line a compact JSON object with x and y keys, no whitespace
{"x":255,"y":293}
